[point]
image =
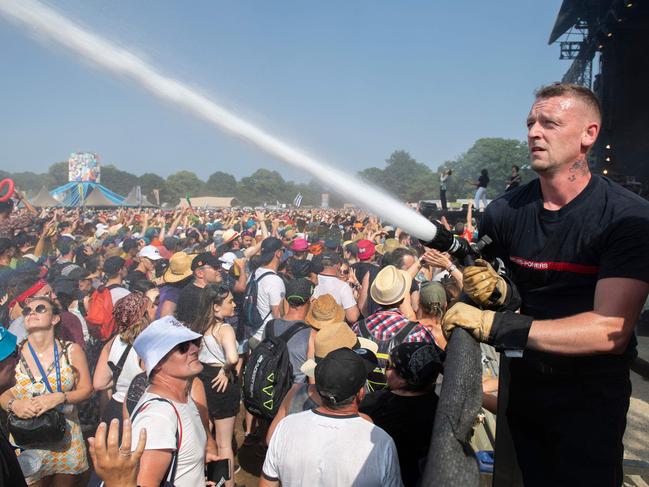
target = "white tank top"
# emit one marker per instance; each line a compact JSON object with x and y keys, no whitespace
{"x":211,"y":351}
{"x":130,"y":370}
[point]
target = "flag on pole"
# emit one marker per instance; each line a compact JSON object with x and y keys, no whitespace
{"x":298,"y":200}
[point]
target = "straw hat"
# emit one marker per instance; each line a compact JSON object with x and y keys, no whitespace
{"x":180,"y":267}
{"x":390,"y":286}
{"x":388,"y":246}
{"x":332,"y":337}
{"x":324,"y":311}
{"x":230,"y":235}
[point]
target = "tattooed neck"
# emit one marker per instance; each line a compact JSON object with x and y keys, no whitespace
{"x":579,"y":167}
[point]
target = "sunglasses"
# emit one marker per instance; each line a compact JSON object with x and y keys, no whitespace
{"x":184,"y":346}
{"x":39,"y":308}
{"x":344,"y":271}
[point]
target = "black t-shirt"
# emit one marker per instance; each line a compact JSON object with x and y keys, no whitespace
{"x":409,"y":421}
{"x":557,"y":257}
{"x":187,"y":305}
{"x":483,"y":181}
{"x":10,"y":472}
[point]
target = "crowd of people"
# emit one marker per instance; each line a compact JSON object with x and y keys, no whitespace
{"x":141,"y":314}
{"x":326,"y":330}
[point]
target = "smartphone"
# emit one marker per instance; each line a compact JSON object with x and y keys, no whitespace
{"x":218,"y":471}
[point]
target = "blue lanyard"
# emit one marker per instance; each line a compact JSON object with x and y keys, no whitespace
{"x":43,"y":374}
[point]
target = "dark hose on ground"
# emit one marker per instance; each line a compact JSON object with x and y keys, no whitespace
{"x":451,"y":460}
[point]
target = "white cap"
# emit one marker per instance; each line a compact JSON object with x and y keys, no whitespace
{"x":159,"y":338}
{"x":150,"y":252}
{"x":101,"y":229}
{"x":228,"y":259}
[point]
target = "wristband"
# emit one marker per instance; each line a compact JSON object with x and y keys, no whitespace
{"x":509,"y":331}
{"x":452,"y":268}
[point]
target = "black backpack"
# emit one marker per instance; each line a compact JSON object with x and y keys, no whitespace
{"x":269,"y":374}
{"x":377,"y":380}
{"x":249,"y":315}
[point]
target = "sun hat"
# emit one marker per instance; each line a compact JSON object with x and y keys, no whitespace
{"x":341,"y":374}
{"x":390,"y":286}
{"x":332,"y":337}
{"x":150,"y":252}
{"x":7,"y":343}
{"x":299,"y":245}
{"x":390,"y":245}
{"x":432,"y":293}
{"x":159,"y":338}
{"x":180,"y":267}
{"x":417,"y":363}
{"x":323,"y":311}
{"x":229,"y":235}
{"x":366,"y":249}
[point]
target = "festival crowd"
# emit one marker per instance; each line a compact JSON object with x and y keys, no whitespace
{"x":161,"y":325}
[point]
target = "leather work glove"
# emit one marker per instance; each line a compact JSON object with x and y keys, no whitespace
{"x":480,"y":282}
{"x":505,"y":330}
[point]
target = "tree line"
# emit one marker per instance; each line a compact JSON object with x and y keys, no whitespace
{"x":401,"y":175}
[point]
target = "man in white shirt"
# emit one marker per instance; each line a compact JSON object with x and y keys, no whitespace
{"x":270,"y":288}
{"x":332,"y":445}
{"x":330,"y":283}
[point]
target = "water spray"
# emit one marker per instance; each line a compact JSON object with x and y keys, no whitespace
{"x":119,"y":61}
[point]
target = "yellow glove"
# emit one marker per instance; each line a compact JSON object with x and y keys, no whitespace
{"x":480,"y":281}
{"x":472,"y":319}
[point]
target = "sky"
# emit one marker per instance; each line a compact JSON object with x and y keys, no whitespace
{"x":346,"y":81}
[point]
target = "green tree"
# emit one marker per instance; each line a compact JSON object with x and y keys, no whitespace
{"x":28,"y":181}
{"x":221,"y":184}
{"x":57,"y":175}
{"x":181,"y":183}
{"x":404,"y":177}
{"x":263,"y":186}
{"x":497,"y":156}
{"x":148,"y":182}
{"x":121,"y":182}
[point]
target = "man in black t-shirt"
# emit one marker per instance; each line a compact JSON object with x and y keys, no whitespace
{"x":577,"y":250}
{"x":407,"y":410}
{"x":206,"y":271}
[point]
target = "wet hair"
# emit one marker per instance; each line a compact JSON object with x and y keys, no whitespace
{"x":210,"y":295}
{"x":571,"y":90}
{"x":142,"y":285}
{"x":396,"y":257}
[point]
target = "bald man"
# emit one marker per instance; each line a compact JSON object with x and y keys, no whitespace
{"x":576,"y":247}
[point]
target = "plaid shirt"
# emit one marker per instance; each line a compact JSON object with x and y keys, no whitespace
{"x":385,"y":323}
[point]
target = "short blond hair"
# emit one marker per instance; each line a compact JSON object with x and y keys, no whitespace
{"x":572,"y":90}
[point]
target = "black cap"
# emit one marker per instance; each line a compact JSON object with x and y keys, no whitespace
{"x":299,"y":291}
{"x":417,"y":363}
{"x":331,"y":244}
{"x":270,"y":245}
{"x":341,"y":374}
{"x":113,"y":265}
{"x":301,"y":267}
{"x":206,"y":258}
